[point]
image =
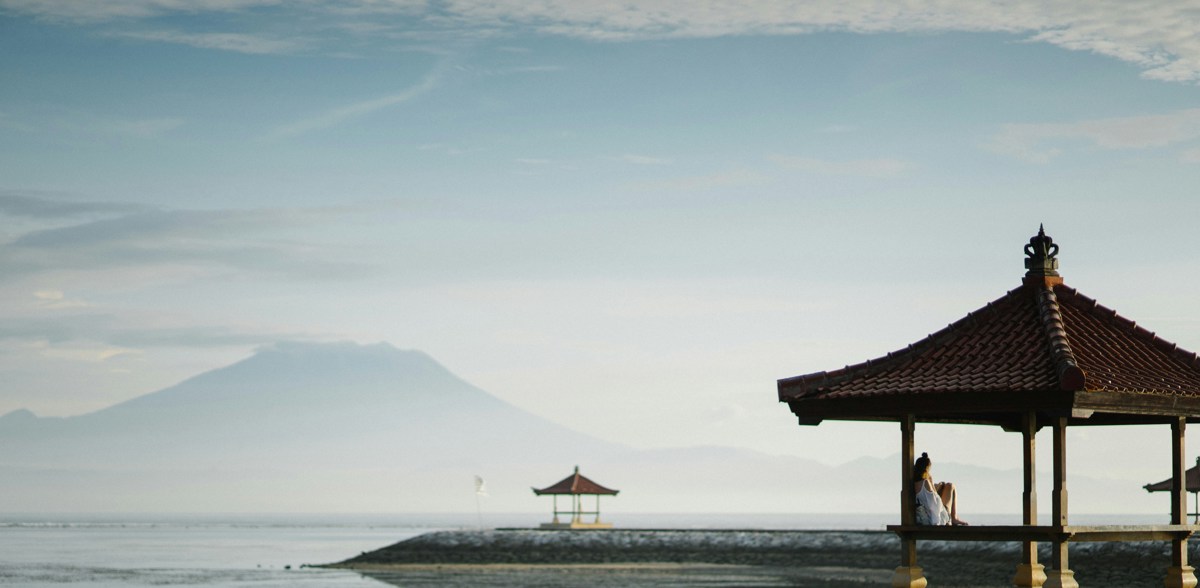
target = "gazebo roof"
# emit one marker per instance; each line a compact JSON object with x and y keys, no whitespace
{"x":1191,"y":477}
{"x":576,"y":483}
{"x":1042,"y":346}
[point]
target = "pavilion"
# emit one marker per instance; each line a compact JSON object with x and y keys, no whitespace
{"x":1193,"y":485}
{"x":576,"y":486}
{"x":1042,"y":355}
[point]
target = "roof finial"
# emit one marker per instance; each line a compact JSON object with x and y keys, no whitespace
{"x":1041,"y":255}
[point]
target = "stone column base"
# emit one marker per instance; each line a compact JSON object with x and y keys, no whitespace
{"x":1060,"y":579}
{"x":1030,"y":576}
{"x":909,"y":577}
{"x":1180,"y":577}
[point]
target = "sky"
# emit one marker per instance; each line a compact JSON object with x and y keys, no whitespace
{"x":629,"y":217}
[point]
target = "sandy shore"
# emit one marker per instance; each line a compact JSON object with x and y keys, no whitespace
{"x":728,"y":558}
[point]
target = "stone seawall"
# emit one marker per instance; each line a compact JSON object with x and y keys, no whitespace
{"x":952,"y":563}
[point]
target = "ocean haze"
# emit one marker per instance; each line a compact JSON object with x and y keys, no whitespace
{"x":343,"y":427}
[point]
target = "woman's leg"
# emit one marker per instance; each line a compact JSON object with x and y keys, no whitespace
{"x":950,"y":498}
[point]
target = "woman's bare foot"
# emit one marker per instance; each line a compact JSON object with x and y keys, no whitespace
{"x":960,"y":523}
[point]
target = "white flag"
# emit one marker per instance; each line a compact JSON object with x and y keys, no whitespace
{"x":480,"y":489}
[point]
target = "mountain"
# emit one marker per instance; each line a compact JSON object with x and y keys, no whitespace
{"x":321,"y":416}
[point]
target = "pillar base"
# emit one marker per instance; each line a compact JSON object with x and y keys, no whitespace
{"x":909,"y":577}
{"x":1180,"y":577}
{"x":1030,"y":576}
{"x":1060,"y":579}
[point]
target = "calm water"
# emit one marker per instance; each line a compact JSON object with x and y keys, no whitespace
{"x":266,"y":551}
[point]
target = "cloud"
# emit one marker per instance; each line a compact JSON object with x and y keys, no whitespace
{"x":91,"y":124}
{"x":245,"y":240}
{"x":1157,"y":36}
{"x":875,"y":168}
{"x":24,"y":204}
{"x":54,"y":299}
{"x":1042,"y":142}
{"x":111,"y":331}
{"x":342,"y":114}
{"x":237,"y":42}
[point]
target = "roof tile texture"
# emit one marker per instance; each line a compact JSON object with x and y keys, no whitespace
{"x":1007,"y":347}
{"x":575,"y":484}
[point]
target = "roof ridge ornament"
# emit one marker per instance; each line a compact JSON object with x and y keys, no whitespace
{"x":1041,"y":255}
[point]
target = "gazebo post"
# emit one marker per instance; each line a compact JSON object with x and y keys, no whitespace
{"x":1030,"y":573}
{"x":908,"y":575}
{"x":1061,"y":575}
{"x":1180,"y":574}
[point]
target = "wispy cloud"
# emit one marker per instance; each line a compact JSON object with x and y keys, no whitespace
{"x":125,"y":236}
{"x":73,"y":10}
{"x":1042,"y":142}
{"x":112,"y":331}
{"x":342,"y":114}
{"x":86,"y":123}
{"x":32,"y":205}
{"x":1157,"y":36}
{"x":237,"y":42}
{"x":54,"y":299}
{"x":876,"y":168}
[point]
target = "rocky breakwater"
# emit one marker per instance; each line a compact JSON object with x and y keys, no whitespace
{"x":874,"y":553}
{"x":530,"y":546}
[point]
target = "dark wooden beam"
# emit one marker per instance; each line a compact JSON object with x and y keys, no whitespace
{"x":1002,"y":409}
{"x":908,"y":499}
{"x":1029,"y":491}
{"x":1059,"y":495}
{"x":1073,"y":534}
{"x":1179,"y":554}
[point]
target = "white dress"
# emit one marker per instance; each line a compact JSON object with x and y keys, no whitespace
{"x":930,"y":510}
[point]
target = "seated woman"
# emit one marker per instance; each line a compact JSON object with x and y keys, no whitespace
{"x":937,"y":504}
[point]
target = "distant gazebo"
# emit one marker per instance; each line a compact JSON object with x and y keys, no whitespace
{"x":576,"y":486}
{"x":1192,"y":477}
{"x":1042,"y":355}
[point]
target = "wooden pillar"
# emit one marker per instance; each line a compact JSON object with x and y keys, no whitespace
{"x":908,"y":575}
{"x":1180,"y":574}
{"x":1030,"y":573}
{"x":1061,"y":575}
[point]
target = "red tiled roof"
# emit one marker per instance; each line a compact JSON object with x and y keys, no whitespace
{"x":1191,"y":477}
{"x":575,"y":484}
{"x":1040,"y":337}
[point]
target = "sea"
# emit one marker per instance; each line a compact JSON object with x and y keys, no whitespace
{"x":266,"y":551}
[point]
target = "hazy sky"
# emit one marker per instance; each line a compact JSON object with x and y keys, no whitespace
{"x":629,"y":217}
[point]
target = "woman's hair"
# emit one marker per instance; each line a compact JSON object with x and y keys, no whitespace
{"x":921,"y":467}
